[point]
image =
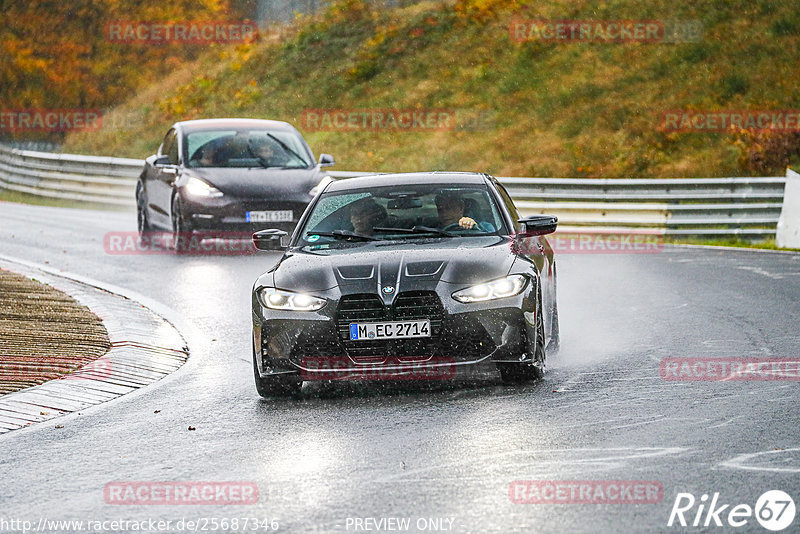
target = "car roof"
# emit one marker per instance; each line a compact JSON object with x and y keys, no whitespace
{"x":204,"y":124}
{"x":408,"y":178}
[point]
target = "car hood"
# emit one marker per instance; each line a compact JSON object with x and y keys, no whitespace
{"x":405,"y":266}
{"x":258,"y":182}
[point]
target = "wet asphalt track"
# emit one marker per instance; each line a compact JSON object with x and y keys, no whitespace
{"x":602,"y":412}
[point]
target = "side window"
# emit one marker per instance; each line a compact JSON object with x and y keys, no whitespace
{"x":162,"y":150}
{"x":170,"y":146}
{"x":512,"y":209}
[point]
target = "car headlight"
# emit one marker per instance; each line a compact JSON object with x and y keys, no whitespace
{"x":276,"y":299}
{"x":320,"y":186}
{"x":198,"y":188}
{"x":496,"y":289}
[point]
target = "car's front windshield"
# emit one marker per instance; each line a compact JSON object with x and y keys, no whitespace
{"x":401,"y":213}
{"x":246,"y":147}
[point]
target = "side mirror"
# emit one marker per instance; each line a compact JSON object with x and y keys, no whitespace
{"x":162,"y":161}
{"x":269,"y":239}
{"x":326,"y":160}
{"x":539,"y":224}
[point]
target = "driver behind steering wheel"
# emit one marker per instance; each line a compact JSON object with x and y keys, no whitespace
{"x":450,"y":206}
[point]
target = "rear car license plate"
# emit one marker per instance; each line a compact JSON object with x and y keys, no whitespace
{"x":269,"y":216}
{"x":389,"y":330}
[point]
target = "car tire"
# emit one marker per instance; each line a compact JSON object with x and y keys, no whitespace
{"x":519,"y":373}
{"x":552,"y":346}
{"x":536,"y":369}
{"x":142,"y":221}
{"x":555,"y":338}
{"x":276,"y":386}
{"x":181,"y":231}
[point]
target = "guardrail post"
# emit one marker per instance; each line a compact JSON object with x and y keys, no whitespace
{"x":788,"y":234}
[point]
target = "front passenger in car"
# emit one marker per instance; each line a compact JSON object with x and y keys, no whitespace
{"x":365,"y":214}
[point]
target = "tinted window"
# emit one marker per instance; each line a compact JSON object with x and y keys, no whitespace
{"x":512,"y":209}
{"x":246,"y":148}
{"x":391,"y":213}
{"x":170,"y":147}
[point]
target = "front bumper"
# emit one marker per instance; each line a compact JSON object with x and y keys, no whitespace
{"x":466,"y":339}
{"x":228,"y":214}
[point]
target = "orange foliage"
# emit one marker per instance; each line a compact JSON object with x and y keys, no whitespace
{"x":56,"y":55}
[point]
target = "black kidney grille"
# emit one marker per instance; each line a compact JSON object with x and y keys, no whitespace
{"x":465,"y":338}
{"x":407,"y":306}
{"x":360,"y":308}
{"x":418,"y":305}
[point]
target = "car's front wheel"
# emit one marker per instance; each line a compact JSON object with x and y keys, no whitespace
{"x":142,"y":220}
{"x":553,"y":345}
{"x":276,"y":386}
{"x":181,"y":231}
{"x":517,"y":373}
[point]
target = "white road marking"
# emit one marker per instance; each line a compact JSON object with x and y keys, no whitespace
{"x":758,"y":270}
{"x":741,"y":462}
{"x":729,"y":421}
{"x":614,"y":458}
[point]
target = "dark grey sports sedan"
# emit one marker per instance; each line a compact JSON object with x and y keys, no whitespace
{"x":406,"y":276}
{"x":227,"y":175}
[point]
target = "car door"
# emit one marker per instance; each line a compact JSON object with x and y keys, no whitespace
{"x":164,"y":177}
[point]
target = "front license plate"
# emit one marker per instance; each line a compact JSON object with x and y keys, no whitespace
{"x":389,"y":330}
{"x":269,"y":216}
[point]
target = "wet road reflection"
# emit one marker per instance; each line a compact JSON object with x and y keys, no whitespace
{"x":433,"y":449}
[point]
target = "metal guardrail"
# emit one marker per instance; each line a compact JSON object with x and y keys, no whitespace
{"x":745,"y":206}
{"x":93,"y":179}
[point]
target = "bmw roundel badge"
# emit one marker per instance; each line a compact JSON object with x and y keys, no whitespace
{"x":388,"y":289}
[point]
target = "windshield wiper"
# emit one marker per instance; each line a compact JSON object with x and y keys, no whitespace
{"x":344,"y":234}
{"x":415,"y":230}
{"x":287,"y":149}
{"x":279,"y":167}
{"x":261,"y":160}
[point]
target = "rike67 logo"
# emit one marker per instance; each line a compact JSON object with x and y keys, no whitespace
{"x":774,"y":510}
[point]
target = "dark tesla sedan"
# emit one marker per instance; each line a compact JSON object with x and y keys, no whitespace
{"x":405,"y":276}
{"x":231,"y":175}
